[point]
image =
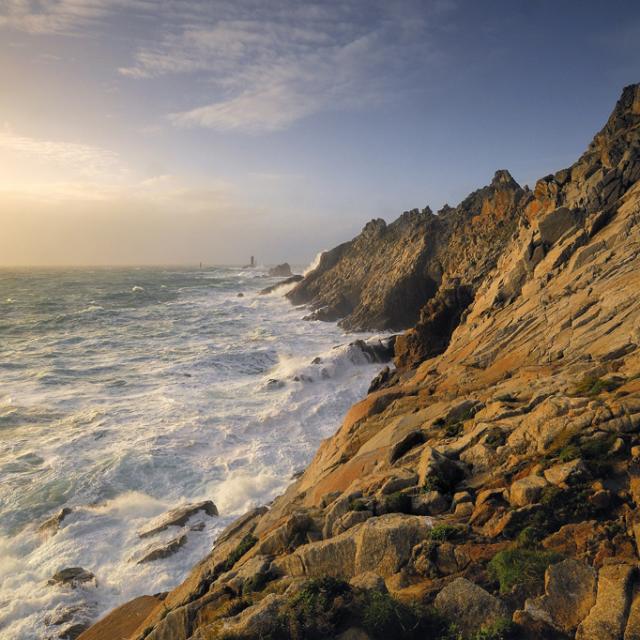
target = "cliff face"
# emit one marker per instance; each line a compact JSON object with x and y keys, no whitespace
{"x":520,"y":441}
{"x":383,"y":277}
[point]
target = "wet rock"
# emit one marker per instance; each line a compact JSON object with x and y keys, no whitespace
{"x":162,"y":550}
{"x":280,"y":271}
{"x":283,"y":283}
{"x":72,"y":576}
{"x":469,"y":605}
{"x":570,"y":592}
{"x":51,"y":525}
{"x":177,"y":517}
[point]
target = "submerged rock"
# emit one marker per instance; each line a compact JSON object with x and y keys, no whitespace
{"x":51,"y":525}
{"x":177,"y":517}
{"x":72,"y":576}
{"x":163,"y":549}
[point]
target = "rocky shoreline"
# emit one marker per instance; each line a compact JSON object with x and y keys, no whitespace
{"x":488,"y":486}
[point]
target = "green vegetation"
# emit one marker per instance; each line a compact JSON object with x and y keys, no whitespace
{"x":521,"y":568}
{"x":245,"y":544}
{"x":594,"y":386}
{"x":358,"y":505}
{"x":257,"y":582}
{"x":495,"y":438}
{"x":397,"y":503}
{"x":443,"y":532}
{"x":383,"y":617}
{"x":453,"y":430}
{"x":436,"y":481}
{"x":502,"y":629}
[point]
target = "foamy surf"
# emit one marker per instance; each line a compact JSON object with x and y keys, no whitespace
{"x":141,"y":404}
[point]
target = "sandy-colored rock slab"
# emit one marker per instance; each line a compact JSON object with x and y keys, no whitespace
{"x":121,"y":623}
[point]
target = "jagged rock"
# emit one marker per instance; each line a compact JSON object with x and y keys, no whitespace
{"x":287,"y":535}
{"x":350,"y":519}
{"x":469,"y":605}
{"x":381,"y":544}
{"x":395,"y":484}
{"x":556,"y":223}
{"x":72,"y":576}
{"x":429,"y":503}
{"x":274,"y":287}
{"x":570,"y":592}
{"x":354,"y":281}
{"x":607,"y":618}
{"x":177,"y":517}
{"x":567,"y":472}
{"x":280,"y":271}
{"x":369,"y":581}
{"x":162,"y":550}
{"x":52,"y":524}
{"x":434,"y":464}
{"x":526,"y":490}
{"x":404,"y":445}
{"x":257,"y":620}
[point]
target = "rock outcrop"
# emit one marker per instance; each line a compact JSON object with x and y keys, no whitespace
{"x":490,"y":488}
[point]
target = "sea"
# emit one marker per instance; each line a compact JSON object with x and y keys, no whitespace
{"x":126,"y":392}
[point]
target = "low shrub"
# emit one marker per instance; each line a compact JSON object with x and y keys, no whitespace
{"x":384,"y":617}
{"x":502,"y":629}
{"x":593,"y":386}
{"x":444,"y":532}
{"x":245,"y":544}
{"x":521,"y":568}
{"x":358,"y":505}
{"x":397,"y":503}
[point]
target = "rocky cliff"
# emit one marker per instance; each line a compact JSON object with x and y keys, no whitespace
{"x":492,"y":488}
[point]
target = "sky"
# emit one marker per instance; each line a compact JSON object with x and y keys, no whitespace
{"x":186,"y":131}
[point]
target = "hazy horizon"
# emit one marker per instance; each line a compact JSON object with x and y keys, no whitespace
{"x":165,"y":132}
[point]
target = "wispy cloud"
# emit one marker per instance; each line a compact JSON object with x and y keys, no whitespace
{"x":85,"y":160}
{"x":51,"y":16}
{"x":270,"y":67}
{"x":260,"y":66}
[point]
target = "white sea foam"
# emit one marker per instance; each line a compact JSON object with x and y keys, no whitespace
{"x":144,"y":404}
{"x":314,"y":264}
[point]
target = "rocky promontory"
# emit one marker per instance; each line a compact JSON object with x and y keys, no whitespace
{"x":488,"y":487}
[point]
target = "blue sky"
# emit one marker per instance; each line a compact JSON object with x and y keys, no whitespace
{"x":159,"y":131}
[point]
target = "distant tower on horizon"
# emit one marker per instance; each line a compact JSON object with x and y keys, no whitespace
{"x":253,"y":262}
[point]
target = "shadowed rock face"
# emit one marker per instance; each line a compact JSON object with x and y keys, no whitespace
{"x":382,"y":278}
{"x":497,"y":476}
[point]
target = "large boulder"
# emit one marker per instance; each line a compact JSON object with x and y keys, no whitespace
{"x":470,"y":606}
{"x":380,"y":544}
{"x":570,"y":592}
{"x":607,"y":618}
{"x":526,"y":490}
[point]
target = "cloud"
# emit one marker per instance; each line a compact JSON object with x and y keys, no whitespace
{"x":86,"y":160}
{"x":51,"y":16}
{"x":267,"y":68}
